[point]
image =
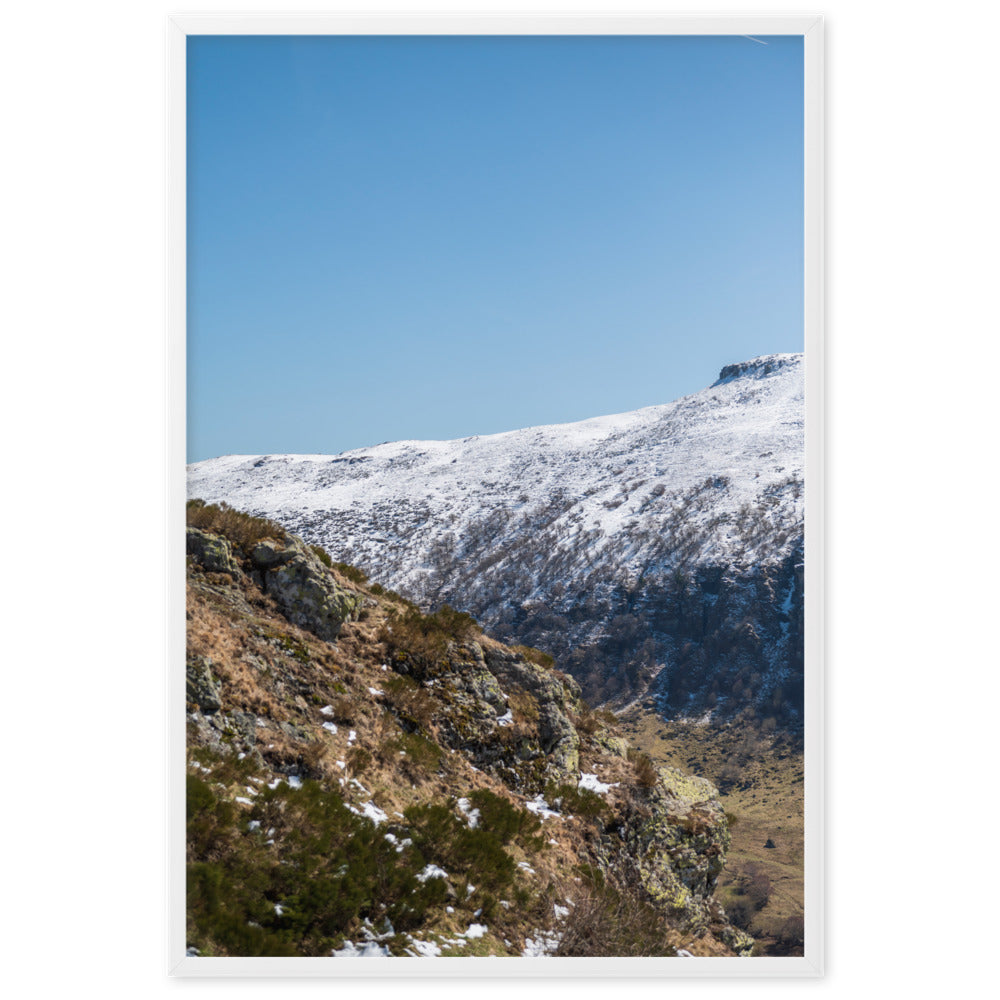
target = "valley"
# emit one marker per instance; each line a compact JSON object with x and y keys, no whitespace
{"x":760,"y":777}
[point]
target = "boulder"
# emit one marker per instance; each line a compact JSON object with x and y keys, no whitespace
{"x":213,"y":552}
{"x":679,"y":842}
{"x":303,"y":587}
{"x":269,"y":552}
{"x":203,"y":689}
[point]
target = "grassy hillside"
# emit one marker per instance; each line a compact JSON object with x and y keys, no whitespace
{"x":365,"y":778}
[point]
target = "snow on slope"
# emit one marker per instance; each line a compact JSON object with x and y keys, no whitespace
{"x":656,"y":551}
{"x":383,"y":507}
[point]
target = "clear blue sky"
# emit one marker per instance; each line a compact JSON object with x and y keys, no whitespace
{"x":436,"y":237}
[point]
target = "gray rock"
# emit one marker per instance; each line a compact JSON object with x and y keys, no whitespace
{"x":560,"y":740}
{"x":305,"y":589}
{"x":472,"y":675}
{"x":213,"y":552}
{"x":245,"y":724}
{"x":294,"y":732}
{"x":269,"y":552}
{"x":202,"y":687}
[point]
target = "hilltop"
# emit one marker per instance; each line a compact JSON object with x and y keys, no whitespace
{"x":657,"y":552}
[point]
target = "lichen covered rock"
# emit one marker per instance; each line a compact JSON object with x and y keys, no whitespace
{"x":679,"y":843}
{"x":212,"y":552}
{"x":303,"y":587}
{"x":203,"y":689}
{"x":509,"y":716}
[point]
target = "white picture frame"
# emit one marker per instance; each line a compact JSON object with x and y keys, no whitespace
{"x":179,"y":28}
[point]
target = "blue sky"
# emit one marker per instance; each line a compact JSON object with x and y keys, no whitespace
{"x":395,"y":237}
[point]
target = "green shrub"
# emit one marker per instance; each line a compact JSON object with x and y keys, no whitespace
{"x":419,"y":752}
{"x":352,"y":573}
{"x":502,"y":818}
{"x":570,"y":798}
{"x":476,"y":853}
{"x":420,"y":641}
{"x":244,"y":530}
{"x":324,"y":866}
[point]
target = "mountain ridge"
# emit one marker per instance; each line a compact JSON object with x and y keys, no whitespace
{"x":647,"y":538}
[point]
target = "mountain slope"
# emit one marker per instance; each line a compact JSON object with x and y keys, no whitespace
{"x":365,"y":780}
{"x":659,"y":549}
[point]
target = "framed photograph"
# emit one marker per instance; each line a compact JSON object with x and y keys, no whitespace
{"x":497,"y":455}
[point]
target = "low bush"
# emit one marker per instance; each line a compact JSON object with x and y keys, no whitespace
{"x":244,"y":530}
{"x":754,"y":885}
{"x":613,"y":921}
{"x":418,"y":752}
{"x":791,"y":936}
{"x":505,"y":820}
{"x":359,"y":759}
{"x":587,"y":723}
{"x":570,"y":798}
{"x":646,"y":772}
{"x":474,"y":853}
{"x":536,"y":656}
{"x":294,"y":874}
{"x":419,"y":642}
{"x":351,"y":573}
{"x":413,"y":705}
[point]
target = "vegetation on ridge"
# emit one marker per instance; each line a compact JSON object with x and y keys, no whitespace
{"x":367,"y":777}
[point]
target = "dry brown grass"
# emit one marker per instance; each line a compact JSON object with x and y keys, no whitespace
{"x":242,"y":529}
{"x":284,"y":674}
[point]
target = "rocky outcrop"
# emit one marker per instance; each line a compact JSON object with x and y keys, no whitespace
{"x":677,"y":843}
{"x":213,"y":552}
{"x":290,"y":572}
{"x":304,"y":587}
{"x":203,"y":689}
{"x":510,"y":716}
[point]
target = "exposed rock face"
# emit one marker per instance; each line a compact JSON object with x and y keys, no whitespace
{"x":556,"y":697}
{"x":212,"y":551}
{"x":677,"y":844}
{"x":202,"y":688}
{"x":304,"y":587}
{"x":509,"y":715}
{"x":290,"y":572}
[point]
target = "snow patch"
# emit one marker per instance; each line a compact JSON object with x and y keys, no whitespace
{"x":544,"y":944}
{"x":540,"y":807}
{"x":591,"y":782}
{"x":366,"y":949}
{"x":431,"y":871}
{"x":471,"y":815}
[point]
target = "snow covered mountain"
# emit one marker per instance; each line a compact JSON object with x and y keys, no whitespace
{"x":655,"y":550}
